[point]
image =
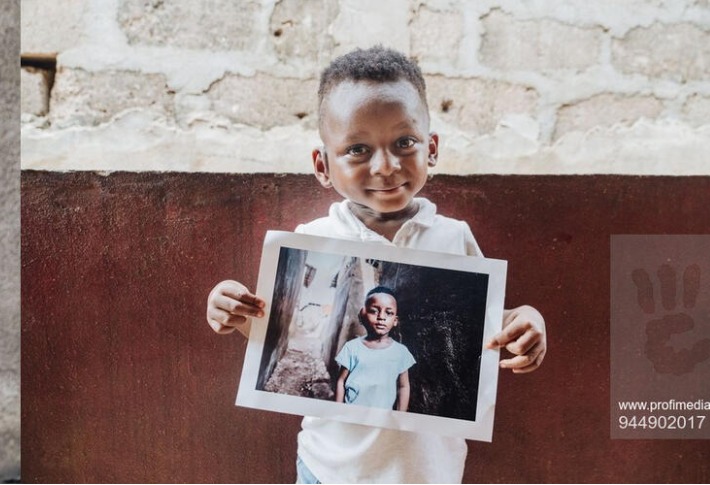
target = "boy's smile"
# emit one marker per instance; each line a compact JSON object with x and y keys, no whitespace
{"x":377,"y":146}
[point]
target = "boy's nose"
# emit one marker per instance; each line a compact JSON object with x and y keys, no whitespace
{"x":384,"y":164}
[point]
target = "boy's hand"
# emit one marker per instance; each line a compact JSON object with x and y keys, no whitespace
{"x":524,"y":336}
{"x":230,"y":305}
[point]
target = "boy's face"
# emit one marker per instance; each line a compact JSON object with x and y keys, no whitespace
{"x":377,"y":144}
{"x":380,"y":314}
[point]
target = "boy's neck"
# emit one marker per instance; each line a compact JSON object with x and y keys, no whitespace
{"x":377,"y":341}
{"x":384,"y":223}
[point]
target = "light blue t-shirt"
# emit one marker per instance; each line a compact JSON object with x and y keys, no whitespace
{"x":373,"y":372}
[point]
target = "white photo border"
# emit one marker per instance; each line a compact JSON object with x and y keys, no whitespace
{"x":481,"y":429}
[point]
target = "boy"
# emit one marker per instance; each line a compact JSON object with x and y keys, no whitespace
{"x":374,"y":369}
{"x":374,"y":124}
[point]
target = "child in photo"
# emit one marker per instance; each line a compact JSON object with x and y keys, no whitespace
{"x":374,"y":369}
{"x":377,"y":151}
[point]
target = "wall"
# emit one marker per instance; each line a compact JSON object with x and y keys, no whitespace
{"x":9,"y":242}
{"x":514,"y":87}
{"x":343,"y":323}
{"x":291,"y":266}
{"x":441,"y":315}
{"x":123,"y":380}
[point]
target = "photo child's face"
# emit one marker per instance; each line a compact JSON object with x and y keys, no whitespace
{"x":377,"y":144}
{"x":380,"y":314}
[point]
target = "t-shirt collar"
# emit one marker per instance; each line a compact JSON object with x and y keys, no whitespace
{"x":341,"y":211}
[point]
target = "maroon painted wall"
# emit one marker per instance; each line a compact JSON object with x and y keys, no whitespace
{"x":122,"y":379}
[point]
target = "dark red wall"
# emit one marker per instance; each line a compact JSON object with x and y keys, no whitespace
{"x":122,"y":379}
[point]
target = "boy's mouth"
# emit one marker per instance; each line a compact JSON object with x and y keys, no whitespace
{"x":387,"y":190}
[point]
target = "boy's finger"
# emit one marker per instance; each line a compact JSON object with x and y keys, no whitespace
{"x":523,"y":361}
{"x":236,"y":307}
{"x":226,"y":303}
{"x":220,"y":321}
{"x":505,"y":336}
{"x":522,"y":344}
{"x":219,"y":328}
{"x":241,"y":293}
{"x":225,"y":319}
{"x":526,"y":369}
{"x":536,"y":363}
{"x":519,"y":361}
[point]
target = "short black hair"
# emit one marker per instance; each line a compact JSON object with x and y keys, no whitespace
{"x":379,"y":64}
{"x":380,"y":289}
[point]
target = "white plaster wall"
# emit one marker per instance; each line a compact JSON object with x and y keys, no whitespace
{"x":535,"y":87}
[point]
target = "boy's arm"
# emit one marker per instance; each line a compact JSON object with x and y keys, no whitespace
{"x":524,"y":336}
{"x":340,"y":386}
{"x":229,"y":306}
{"x":403,"y":391}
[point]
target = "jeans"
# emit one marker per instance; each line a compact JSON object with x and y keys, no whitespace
{"x":303,"y":474}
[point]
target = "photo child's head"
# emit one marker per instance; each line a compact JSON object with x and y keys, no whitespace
{"x":379,"y":314}
{"x":374,"y":124}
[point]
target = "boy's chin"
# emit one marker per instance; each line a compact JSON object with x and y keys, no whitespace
{"x":391,"y":209}
{"x":377,"y":335}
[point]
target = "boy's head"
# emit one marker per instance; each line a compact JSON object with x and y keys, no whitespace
{"x":374,"y":123}
{"x":376,"y":64}
{"x":379,"y":315}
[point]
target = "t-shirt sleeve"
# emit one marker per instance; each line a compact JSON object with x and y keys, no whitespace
{"x":407,"y":360}
{"x":345,"y":357}
{"x":470,"y":244}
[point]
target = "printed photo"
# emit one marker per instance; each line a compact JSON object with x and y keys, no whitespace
{"x":376,"y":335}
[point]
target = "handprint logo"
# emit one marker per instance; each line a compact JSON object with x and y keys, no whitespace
{"x":665,"y":359}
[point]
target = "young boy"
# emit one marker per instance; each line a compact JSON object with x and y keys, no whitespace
{"x":377,"y":148}
{"x":374,"y":369}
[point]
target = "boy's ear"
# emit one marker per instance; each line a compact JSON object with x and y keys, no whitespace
{"x":320,"y":167}
{"x":433,"y":148}
{"x":361,"y":315}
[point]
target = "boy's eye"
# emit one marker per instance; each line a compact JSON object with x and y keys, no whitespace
{"x":407,"y":142}
{"x":357,"y":150}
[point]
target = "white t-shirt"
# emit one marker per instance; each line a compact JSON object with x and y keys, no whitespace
{"x":339,"y":452}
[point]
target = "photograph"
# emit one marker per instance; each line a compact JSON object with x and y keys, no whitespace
{"x":367,"y":335}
